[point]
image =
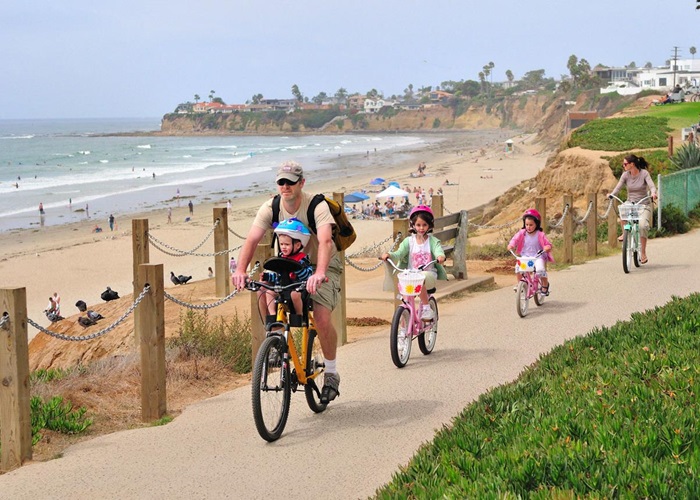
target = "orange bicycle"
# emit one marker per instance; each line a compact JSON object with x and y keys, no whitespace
{"x":286,"y":359}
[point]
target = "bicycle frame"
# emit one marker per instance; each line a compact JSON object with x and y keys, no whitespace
{"x":528,"y":285}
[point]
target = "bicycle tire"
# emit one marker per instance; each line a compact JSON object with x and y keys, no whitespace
{"x":314,"y":364}
{"x":521,"y":300}
{"x":539,"y":296}
{"x":426,"y":340}
{"x":400,"y":338}
{"x":635,"y":253}
{"x":271,"y":388}
{"x":626,"y":251}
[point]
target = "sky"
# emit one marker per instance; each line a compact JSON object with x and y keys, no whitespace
{"x":141,"y":58}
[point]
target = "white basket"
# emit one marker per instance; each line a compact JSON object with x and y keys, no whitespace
{"x":411,"y":282}
{"x":628,"y":211}
{"x":525,"y":265}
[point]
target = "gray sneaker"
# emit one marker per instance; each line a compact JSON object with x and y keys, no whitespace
{"x":331,"y":382}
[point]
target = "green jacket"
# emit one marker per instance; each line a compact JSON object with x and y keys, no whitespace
{"x":401,"y":255}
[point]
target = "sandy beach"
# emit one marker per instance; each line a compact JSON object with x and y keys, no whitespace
{"x":79,"y":264}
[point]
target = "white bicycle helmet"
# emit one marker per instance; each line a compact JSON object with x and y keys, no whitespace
{"x":295,"y":229}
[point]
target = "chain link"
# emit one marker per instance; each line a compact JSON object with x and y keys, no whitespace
{"x":5,"y":321}
{"x":200,"y":306}
{"x":181,"y":253}
{"x":111,"y":327}
{"x":588,"y":212}
{"x":236,"y":234}
{"x":368,"y":269}
{"x":368,"y":249}
{"x":607,"y":211}
{"x":563,"y":216}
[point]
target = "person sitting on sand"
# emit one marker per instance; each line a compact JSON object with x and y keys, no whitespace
{"x":97,"y":229}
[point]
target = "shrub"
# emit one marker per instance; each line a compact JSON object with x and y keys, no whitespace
{"x":436,"y":123}
{"x":673,"y":221}
{"x":620,"y":134}
{"x":56,"y":415}
{"x":686,"y":156}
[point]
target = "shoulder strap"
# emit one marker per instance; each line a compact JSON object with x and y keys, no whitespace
{"x":310,"y":212}
{"x":275,"y":217}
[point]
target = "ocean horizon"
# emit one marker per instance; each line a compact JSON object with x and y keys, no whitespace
{"x":76,"y":170}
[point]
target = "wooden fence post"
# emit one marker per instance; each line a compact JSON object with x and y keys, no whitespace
{"x":149,"y":319}
{"x":541,"y":207}
{"x":569,"y":229}
{"x":670,"y":146}
{"x":459,"y":254}
{"x":399,"y":226}
{"x":437,"y":205}
{"x":140,"y":251}
{"x":612,"y":225}
{"x":15,"y":413}
{"x":592,"y":224}
{"x":257,"y":327}
{"x":221,"y":268}
{"x":339,"y":314}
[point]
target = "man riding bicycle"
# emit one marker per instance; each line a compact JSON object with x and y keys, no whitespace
{"x":324,"y":284}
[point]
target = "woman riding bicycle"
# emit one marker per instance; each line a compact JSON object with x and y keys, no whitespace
{"x":638,"y":181}
{"x":530,"y":241}
{"x":420,"y":249}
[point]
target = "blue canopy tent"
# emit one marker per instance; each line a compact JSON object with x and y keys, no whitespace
{"x":376,"y":181}
{"x":355,"y":197}
{"x":394,"y":183}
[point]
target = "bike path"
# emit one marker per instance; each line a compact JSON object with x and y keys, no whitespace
{"x":383,"y":415}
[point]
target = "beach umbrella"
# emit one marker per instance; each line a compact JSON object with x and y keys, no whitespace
{"x":360,"y":195}
{"x":392,"y":191}
{"x":354,"y":198}
{"x":376,"y":181}
{"x":394,"y":183}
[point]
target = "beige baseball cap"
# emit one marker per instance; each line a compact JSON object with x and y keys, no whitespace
{"x":290,"y":170}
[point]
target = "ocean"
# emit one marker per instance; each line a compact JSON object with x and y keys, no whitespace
{"x":77,"y":171}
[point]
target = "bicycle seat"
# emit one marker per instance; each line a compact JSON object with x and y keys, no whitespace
{"x":282,"y":266}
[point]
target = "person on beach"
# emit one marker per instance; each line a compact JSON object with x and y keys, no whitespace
{"x":191,"y":207}
{"x":324,"y":284}
{"x":530,"y":241}
{"x":232,"y":265}
{"x":111,"y":222}
{"x":41,"y":208}
{"x":292,"y":237}
{"x":639,"y":183}
{"x":418,"y":250}
{"x":170,"y":215}
{"x":52,"y":311}
{"x":210,"y":272}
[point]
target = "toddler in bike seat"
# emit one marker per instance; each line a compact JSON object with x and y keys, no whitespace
{"x":419,"y":249}
{"x":292,"y":236}
{"x":529,"y":241}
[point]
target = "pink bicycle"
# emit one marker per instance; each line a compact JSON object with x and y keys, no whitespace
{"x":407,"y":323}
{"x":528,"y":285}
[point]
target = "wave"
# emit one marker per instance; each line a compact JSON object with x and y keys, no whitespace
{"x":144,"y":146}
{"x":29,"y":136}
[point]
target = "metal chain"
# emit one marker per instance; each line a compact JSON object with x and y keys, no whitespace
{"x":607,"y":210}
{"x":561,"y":221}
{"x":368,"y":269}
{"x":181,"y":253}
{"x":368,"y":249}
{"x":236,"y":234}
{"x":4,"y":321}
{"x":447,"y":210}
{"x":111,"y":327}
{"x":588,"y":212}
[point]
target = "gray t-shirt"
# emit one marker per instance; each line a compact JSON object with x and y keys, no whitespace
{"x":637,"y":186}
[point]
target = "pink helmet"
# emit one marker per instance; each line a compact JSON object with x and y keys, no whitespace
{"x":421,"y":208}
{"x":531,"y":212}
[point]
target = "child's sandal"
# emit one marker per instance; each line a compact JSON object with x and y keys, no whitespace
{"x":544,"y":290}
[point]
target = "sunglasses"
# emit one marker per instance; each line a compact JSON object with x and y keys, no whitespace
{"x":287,"y":182}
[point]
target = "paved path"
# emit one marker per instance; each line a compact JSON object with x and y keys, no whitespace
{"x":384,"y":414}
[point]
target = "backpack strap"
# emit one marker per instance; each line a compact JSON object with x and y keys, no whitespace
{"x":275,"y":217}
{"x":312,"y":208}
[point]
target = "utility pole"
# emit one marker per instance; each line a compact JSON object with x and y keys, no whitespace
{"x":675,"y":64}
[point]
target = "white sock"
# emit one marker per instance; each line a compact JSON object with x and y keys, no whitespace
{"x":330,"y":365}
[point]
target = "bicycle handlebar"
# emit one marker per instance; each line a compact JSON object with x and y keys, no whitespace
{"x":420,"y":268}
{"x":519,"y":256}
{"x":632,"y":202}
{"x":254,"y":286}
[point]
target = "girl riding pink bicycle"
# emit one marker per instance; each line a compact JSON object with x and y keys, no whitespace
{"x":530,"y":241}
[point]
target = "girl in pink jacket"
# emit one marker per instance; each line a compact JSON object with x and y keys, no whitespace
{"x":529,"y":241}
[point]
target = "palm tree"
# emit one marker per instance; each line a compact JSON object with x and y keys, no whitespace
{"x":510,"y":76}
{"x":211,"y":94}
{"x":692,"y":51}
{"x":196,"y":98}
{"x":297,"y":93}
{"x":342,"y":95}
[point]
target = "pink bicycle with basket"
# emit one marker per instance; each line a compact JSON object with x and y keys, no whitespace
{"x":529,"y":285}
{"x":407,"y":323}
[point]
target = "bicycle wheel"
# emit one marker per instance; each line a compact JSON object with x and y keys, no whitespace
{"x":635,"y":238}
{"x":521,"y":300}
{"x":539,"y":296}
{"x":314,"y":365}
{"x":626,"y":251}
{"x":271,"y":389}
{"x":400,"y":336}
{"x":426,"y":340}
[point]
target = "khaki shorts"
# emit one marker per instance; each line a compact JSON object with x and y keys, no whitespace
{"x":430,"y":280}
{"x":645,"y":221}
{"x":328,"y":294}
